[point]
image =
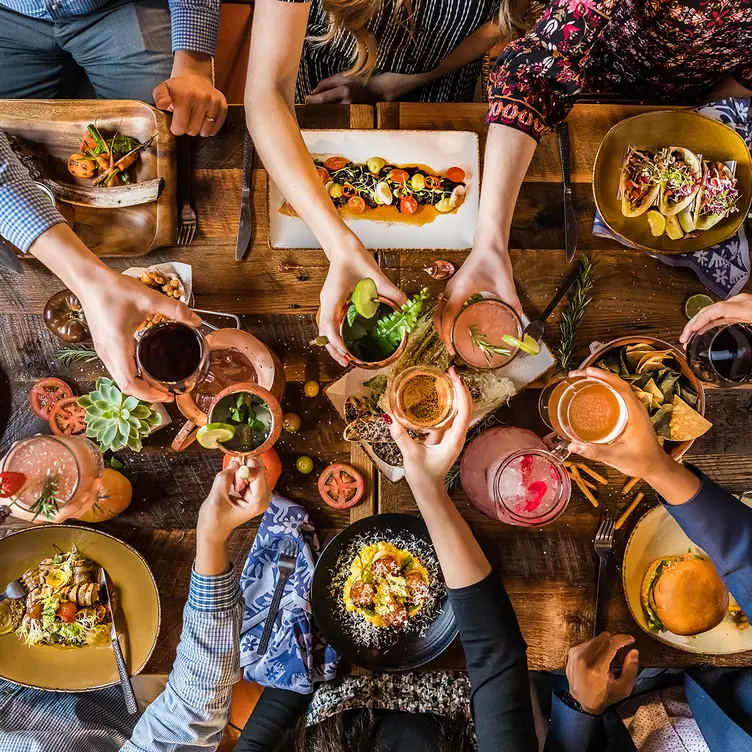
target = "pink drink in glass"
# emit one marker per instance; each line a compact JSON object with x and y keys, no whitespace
{"x":486,"y":320}
{"x":72,"y":463}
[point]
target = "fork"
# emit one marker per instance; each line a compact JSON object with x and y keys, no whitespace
{"x":604,"y":546}
{"x":187,"y":218}
{"x":288,"y":556}
{"x":13,"y":591}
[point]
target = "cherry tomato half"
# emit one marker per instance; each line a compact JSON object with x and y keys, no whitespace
{"x":323,"y":174}
{"x":336,"y":163}
{"x":68,"y":418}
{"x":356,"y":205}
{"x":433,"y":182}
{"x":348,"y":189}
{"x":455,"y":174}
{"x":11,"y":483}
{"x":341,"y":486}
{"x":46,"y":393}
{"x":408,"y":205}
{"x":397,"y":176}
{"x":67,"y":612}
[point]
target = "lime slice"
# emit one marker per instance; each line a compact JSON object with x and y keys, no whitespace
{"x":527,"y":344}
{"x":212,"y":435}
{"x":695,"y":304}
{"x":6,"y":621}
{"x":366,"y":298}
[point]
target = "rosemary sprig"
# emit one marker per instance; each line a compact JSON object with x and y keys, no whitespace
{"x":572,"y":315}
{"x":452,"y":479}
{"x":48,"y":503}
{"x":479,"y":341}
{"x":76,"y":354}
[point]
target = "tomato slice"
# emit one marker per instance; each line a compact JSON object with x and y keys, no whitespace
{"x":323,"y":174}
{"x":336,"y":163}
{"x":68,"y":418}
{"x":341,"y":486}
{"x":455,"y":174}
{"x":11,"y":483}
{"x":348,"y":189}
{"x":356,"y":205}
{"x":408,"y":205}
{"x":67,"y":612}
{"x":46,"y":393}
{"x":397,"y":176}
{"x":433,"y":182}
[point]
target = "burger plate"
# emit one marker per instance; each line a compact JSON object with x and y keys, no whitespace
{"x":656,"y":535}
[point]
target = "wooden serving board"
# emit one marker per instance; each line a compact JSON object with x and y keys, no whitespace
{"x":55,"y":127}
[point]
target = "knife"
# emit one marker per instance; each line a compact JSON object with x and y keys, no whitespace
{"x":125,"y":683}
{"x":570,"y":218}
{"x":537,"y":327}
{"x":245,"y":230}
{"x":8,"y":258}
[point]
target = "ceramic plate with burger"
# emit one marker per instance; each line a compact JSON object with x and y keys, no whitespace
{"x":675,"y":593}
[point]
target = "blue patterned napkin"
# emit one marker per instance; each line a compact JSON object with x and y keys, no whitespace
{"x":297,"y":657}
{"x":722,"y":268}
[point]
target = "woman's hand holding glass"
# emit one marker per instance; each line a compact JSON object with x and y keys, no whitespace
{"x":736,"y":310}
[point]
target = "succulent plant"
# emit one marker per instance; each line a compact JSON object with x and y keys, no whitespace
{"x":115,"y":419}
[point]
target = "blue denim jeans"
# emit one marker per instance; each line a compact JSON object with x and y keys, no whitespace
{"x":121,"y":51}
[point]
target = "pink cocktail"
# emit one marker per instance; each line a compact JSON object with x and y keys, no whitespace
{"x":62,"y":477}
{"x":509,"y":474}
{"x":478,"y":333}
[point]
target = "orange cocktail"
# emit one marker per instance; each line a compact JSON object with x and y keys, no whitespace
{"x":422,"y":398}
{"x":478,"y":333}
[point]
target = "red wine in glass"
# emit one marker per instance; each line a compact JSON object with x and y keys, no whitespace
{"x":722,"y":355}
{"x":172,"y":356}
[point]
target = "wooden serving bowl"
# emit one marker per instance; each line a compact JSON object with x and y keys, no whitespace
{"x":678,"y":448}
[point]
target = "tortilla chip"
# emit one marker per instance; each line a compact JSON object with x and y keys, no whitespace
{"x":639,"y":346}
{"x":610,"y":363}
{"x":661,"y":421}
{"x":653,"y":361}
{"x":687,"y":395}
{"x":686,"y":423}
{"x":668,"y":383}
{"x":652,"y":388}
{"x":645,"y":397}
{"x":635,"y":355}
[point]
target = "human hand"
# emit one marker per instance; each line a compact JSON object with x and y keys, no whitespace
{"x":115,"y":305}
{"x":197,"y":106}
{"x":426,"y":464}
{"x":732,"y":311}
{"x":234,"y":499}
{"x":385,"y":87}
{"x":591,"y":682}
{"x":482,"y":271}
{"x":346,"y":269}
{"x":637,"y":452}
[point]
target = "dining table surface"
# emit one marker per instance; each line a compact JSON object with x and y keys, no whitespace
{"x":549,"y":572}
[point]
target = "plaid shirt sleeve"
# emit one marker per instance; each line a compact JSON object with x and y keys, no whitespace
{"x":25,"y":211}
{"x":192,"y":711}
{"x":194,"y":25}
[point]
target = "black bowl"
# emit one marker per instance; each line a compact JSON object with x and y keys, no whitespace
{"x":390,"y":650}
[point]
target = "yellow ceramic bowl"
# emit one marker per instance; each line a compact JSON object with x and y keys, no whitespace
{"x":65,"y":669}
{"x":653,"y":130}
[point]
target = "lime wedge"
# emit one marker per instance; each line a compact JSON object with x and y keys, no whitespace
{"x":6,"y":621}
{"x":212,"y":435}
{"x":366,"y":298}
{"x":527,"y":344}
{"x":695,"y":304}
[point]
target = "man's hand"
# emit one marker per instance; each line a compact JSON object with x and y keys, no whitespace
{"x":196,"y":106}
{"x":385,"y":87}
{"x":346,"y":268}
{"x":735,"y":310}
{"x":482,"y":271}
{"x":591,"y":682}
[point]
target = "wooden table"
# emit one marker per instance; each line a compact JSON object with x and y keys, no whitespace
{"x":550,"y":574}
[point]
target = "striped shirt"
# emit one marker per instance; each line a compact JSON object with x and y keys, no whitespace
{"x":190,"y":714}
{"x":438,"y":27}
{"x":194,"y":22}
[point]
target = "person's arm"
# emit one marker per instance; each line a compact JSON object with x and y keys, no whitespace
{"x":738,"y":85}
{"x":277,"y":37}
{"x":490,"y":635}
{"x":192,"y":711}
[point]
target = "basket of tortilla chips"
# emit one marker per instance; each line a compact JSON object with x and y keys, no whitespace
{"x":662,"y":380}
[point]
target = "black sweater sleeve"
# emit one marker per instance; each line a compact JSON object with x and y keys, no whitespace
{"x":276,"y":712}
{"x":497,"y":666}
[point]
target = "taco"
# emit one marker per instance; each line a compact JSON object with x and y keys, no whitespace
{"x":640,"y":182}
{"x":680,"y":180}
{"x":717,"y":196}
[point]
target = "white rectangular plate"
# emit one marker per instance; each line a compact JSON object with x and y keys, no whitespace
{"x":439,"y":150}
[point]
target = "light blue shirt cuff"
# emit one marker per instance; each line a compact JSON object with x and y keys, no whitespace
{"x":195,"y":24}
{"x":213,"y":593}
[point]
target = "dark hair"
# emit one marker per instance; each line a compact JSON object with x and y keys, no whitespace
{"x":333,"y":734}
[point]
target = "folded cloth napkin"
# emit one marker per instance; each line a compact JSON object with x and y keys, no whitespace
{"x":723,"y":268}
{"x":298,"y":656}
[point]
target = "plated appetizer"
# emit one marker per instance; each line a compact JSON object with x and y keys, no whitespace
{"x":385,"y":192}
{"x":387,"y":585}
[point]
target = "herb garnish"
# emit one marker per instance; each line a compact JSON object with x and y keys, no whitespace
{"x":572,"y":315}
{"x":76,"y":354}
{"x":48,"y":503}
{"x":479,"y":341}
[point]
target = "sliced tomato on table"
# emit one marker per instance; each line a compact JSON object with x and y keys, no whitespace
{"x":408,"y":205}
{"x":433,"y":182}
{"x":11,"y":483}
{"x":46,"y":393}
{"x":68,"y":418}
{"x":356,"y":205}
{"x":323,"y":174}
{"x":397,"y":176}
{"x":336,"y":163}
{"x":455,"y":174}
{"x":341,"y":486}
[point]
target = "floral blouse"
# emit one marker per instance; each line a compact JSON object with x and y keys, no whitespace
{"x":672,"y":50}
